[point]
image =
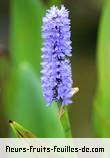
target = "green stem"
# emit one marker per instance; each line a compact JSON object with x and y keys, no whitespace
{"x":66,"y":124}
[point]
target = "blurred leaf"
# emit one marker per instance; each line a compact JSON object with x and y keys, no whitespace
{"x":102,"y":100}
{"x":20,"y":131}
{"x":54,"y":2}
{"x":3,"y":65}
{"x":23,"y":95}
{"x":24,"y":103}
{"x":26,"y":42}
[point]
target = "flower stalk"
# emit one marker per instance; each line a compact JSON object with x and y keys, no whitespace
{"x":56,"y":67}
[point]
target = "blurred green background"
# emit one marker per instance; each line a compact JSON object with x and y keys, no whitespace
{"x":20,"y":43}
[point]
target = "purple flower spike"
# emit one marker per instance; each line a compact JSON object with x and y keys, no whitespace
{"x":56,"y":67}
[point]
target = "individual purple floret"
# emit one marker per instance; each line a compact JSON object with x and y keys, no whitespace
{"x":56,"y":67}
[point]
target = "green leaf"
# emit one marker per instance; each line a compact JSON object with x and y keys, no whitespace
{"x":20,"y":131}
{"x":54,"y":2}
{"x":23,"y":97}
{"x":24,"y":103}
{"x":101,"y":115}
{"x":26,"y":42}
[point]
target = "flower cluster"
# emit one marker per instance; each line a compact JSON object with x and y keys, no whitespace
{"x":56,"y":67}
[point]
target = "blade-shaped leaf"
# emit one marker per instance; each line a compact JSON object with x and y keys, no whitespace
{"x":23,"y":95}
{"x":20,"y":131}
{"x":102,"y":101}
{"x":25,"y":104}
{"x":26,"y":42}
